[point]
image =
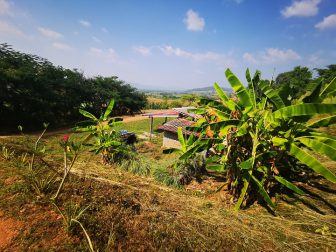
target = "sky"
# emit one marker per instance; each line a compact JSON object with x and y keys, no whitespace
{"x":173,"y":44}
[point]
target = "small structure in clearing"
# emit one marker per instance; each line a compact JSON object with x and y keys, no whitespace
{"x":170,"y":139}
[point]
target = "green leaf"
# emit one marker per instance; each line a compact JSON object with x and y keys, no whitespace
{"x":319,"y":147}
{"x":239,"y":89}
{"x":170,"y":150}
{"x":278,"y":141}
{"x":226,"y":101}
{"x":289,"y":185}
{"x":215,"y":167}
{"x":263,"y":192}
{"x":312,"y":93}
{"x":88,"y":115}
{"x":181,"y":139}
{"x":247,"y":164}
{"x":221,"y":94}
{"x":190,"y":140}
{"x":329,"y":89}
{"x":246,"y":179}
{"x":271,"y":94}
{"x":108,"y":110}
{"x":304,"y":109}
{"x":323,"y":122}
{"x":307,"y":159}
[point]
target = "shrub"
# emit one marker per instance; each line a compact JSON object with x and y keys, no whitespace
{"x":107,"y":141}
{"x":259,"y":142}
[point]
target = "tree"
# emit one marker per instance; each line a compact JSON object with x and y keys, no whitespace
{"x":328,"y":73}
{"x":293,"y":83}
{"x":33,"y":91}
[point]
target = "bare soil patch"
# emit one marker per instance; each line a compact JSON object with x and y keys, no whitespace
{"x":9,"y":229}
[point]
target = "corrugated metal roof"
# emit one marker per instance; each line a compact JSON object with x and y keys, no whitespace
{"x":173,"y":125}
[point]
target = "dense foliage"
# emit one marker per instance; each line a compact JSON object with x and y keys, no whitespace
{"x":259,"y":142}
{"x":33,"y":90}
{"x":294,"y":83}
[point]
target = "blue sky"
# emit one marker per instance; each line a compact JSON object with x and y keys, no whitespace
{"x":173,"y":44}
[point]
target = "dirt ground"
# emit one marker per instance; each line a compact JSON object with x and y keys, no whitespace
{"x":9,"y":229}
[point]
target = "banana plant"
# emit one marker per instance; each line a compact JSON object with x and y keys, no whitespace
{"x":106,"y":139}
{"x":259,"y":142}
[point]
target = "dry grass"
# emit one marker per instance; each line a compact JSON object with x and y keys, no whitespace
{"x":134,"y":213}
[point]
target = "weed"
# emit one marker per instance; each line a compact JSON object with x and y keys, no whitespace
{"x":72,"y":214}
{"x":7,"y":153}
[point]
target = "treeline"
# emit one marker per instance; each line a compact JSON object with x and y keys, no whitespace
{"x":33,"y":91}
{"x":299,"y":80}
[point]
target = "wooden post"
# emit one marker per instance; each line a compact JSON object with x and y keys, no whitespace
{"x":151,"y":128}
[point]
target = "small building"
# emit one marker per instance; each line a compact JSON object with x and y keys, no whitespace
{"x":170,"y":139}
{"x":169,"y":129}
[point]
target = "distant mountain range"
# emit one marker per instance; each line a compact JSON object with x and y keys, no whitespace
{"x":207,"y":89}
{"x":203,"y":90}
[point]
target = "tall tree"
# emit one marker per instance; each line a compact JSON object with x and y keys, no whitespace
{"x":328,"y":73}
{"x":294,"y":82}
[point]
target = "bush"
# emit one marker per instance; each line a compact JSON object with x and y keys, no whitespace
{"x":259,"y":142}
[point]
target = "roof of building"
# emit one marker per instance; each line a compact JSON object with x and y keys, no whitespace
{"x":173,"y":125}
{"x":175,"y":112}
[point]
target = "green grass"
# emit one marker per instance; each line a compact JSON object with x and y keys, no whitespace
{"x":141,"y":126}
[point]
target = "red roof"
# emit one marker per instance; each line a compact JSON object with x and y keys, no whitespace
{"x":173,"y":125}
{"x":166,"y":113}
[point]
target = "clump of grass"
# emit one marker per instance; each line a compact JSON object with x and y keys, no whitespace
{"x":136,"y":165}
{"x":168,"y":176}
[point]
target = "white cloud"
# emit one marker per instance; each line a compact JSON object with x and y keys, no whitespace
{"x":198,"y":57}
{"x":4,"y":7}
{"x":145,"y":51}
{"x":301,"y":8}
{"x":95,"y":39}
{"x":61,"y":46}
{"x":275,"y":55}
{"x":103,"y":29}
{"x":316,"y":59}
{"x":50,"y":33}
{"x":193,"y":21}
{"x":327,"y":22}
{"x":107,"y":54}
{"x":7,"y":28}
{"x":272,"y":56}
{"x":249,"y":58}
{"x":84,"y":23}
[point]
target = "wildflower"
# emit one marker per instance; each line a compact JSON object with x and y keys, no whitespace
{"x":66,"y":138}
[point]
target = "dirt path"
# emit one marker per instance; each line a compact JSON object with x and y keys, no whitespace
{"x":67,"y":130}
{"x":9,"y":229}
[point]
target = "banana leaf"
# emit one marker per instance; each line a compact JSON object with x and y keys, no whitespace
{"x":88,"y":115}
{"x":226,"y":100}
{"x":307,"y":159}
{"x":323,"y":122}
{"x":319,"y":147}
{"x":263,"y":192}
{"x":246,"y":179}
{"x":239,"y":89}
{"x":271,"y":94}
{"x":289,"y":185}
{"x":329,"y":89}
{"x":303,"y":110}
{"x":108,"y":109}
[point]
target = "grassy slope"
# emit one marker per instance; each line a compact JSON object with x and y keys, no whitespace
{"x":129,"y":212}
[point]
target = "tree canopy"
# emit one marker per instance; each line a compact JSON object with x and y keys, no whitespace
{"x":33,"y":91}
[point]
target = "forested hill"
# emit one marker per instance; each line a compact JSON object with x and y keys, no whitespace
{"x":33,"y":91}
